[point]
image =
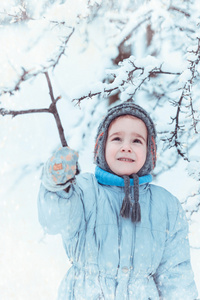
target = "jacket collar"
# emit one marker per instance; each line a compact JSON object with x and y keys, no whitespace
{"x":106,"y":178}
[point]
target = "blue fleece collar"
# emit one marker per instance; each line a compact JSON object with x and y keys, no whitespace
{"x":107,"y":178}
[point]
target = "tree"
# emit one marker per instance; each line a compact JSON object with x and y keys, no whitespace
{"x":57,"y":56}
{"x":152,"y":51}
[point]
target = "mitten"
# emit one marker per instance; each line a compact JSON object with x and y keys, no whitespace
{"x":63,"y":165}
{"x":59,"y":171}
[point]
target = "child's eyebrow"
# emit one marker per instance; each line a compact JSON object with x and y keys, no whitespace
{"x":115,"y":133}
{"x":134,"y":134}
{"x":140,"y":136}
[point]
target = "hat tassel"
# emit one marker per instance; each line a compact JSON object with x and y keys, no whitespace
{"x":126,"y":205}
{"x":128,"y":208}
{"x":136,"y":212}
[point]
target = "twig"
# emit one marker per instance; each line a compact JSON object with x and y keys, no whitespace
{"x":177,"y":128}
{"x":186,"y":14}
{"x":63,"y":47}
{"x":15,"y":113}
{"x":54,"y":111}
{"x":90,"y":95}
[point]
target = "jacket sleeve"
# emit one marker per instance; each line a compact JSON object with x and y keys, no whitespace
{"x":174,"y":276}
{"x":60,"y":212}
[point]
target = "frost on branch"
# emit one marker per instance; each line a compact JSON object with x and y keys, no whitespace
{"x":194,"y":169}
{"x":165,"y":80}
{"x":37,"y":35}
{"x":157,"y":79}
{"x":192,"y":202}
{"x":158,"y":39}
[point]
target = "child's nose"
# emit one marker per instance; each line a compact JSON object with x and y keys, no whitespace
{"x":126,"y":148}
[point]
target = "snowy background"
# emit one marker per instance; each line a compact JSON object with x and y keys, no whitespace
{"x":78,"y":43}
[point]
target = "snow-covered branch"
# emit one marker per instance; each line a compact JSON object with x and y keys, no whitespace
{"x":161,"y":70}
{"x":15,"y":113}
{"x":129,"y":77}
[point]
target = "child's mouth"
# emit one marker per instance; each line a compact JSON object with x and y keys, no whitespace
{"x":125,"y":159}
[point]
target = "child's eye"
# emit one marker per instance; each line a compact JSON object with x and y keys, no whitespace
{"x":116,"y":138}
{"x":137,"y":141}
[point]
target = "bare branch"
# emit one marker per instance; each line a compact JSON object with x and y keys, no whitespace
{"x":90,"y":95}
{"x":20,"y":15}
{"x":22,"y":78}
{"x":15,"y":113}
{"x":27,"y":74}
{"x":129,"y":35}
{"x":54,"y":111}
{"x":195,"y":206}
{"x":186,"y":95}
{"x":186,"y":14}
{"x":175,"y":133}
{"x":63,"y":47}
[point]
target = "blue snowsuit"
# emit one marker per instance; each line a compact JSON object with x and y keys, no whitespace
{"x":111,"y":257}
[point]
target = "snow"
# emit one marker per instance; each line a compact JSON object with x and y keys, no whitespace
{"x":184,"y":77}
{"x":69,"y":12}
{"x":194,"y":169}
{"x":180,"y":184}
{"x":148,"y":62}
{"x":32,"y":265}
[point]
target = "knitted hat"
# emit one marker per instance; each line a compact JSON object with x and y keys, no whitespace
{"x":127,"y":108}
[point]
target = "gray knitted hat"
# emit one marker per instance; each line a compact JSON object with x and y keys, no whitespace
{"x":127,"y":108}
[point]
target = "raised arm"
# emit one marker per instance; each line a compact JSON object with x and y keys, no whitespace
{"x":60,"y":208}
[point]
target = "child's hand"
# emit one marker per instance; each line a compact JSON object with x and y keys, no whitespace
{"x":63,"y":165}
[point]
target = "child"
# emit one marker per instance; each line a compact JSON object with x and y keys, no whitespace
{"x":125,"y":238}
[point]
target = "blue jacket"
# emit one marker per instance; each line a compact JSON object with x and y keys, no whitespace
{"x":111,"y":257}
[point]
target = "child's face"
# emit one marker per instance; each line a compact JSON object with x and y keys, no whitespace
{"x":126,"y":145}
